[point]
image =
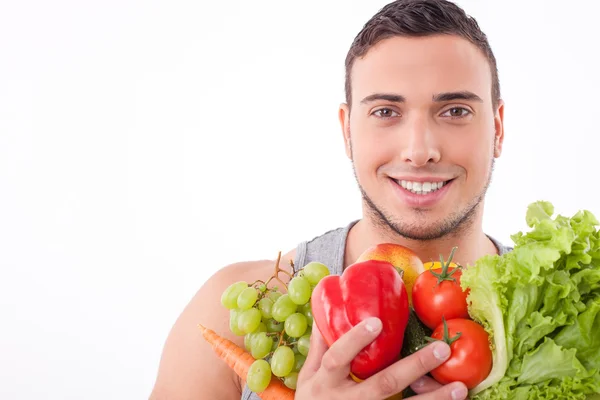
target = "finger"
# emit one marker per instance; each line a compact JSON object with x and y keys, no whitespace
{"x":425,"y":384}
{"x":401,"y":374}
{"x":317,"y":348}
{"x":452,"y":391}
{"x":336,"y":361}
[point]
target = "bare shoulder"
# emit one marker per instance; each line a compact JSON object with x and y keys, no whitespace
{"x":189,"y":369}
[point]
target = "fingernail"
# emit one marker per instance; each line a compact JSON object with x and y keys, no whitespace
{"x":373,"y":325}
{"x":441,"y":351}
{"x":459,"y":393}
{"x":418,"y":383}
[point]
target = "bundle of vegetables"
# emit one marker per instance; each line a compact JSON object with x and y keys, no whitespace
{"x":540,"y":304}
{"x":522,"y":325}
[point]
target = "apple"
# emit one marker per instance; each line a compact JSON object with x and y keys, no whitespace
{"x":401,"y":257}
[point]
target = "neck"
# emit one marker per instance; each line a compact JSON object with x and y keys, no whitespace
{"x":471,"y":242}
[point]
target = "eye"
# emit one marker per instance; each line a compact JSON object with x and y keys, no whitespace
{"x":385,"y":113}
{"x":457,"y":112}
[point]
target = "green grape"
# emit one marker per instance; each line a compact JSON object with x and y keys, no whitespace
{"x":304,"y":344}
{"x":299,"y":360}
{"x":283,"y":308}
{"x":307,"y":311}
{"x":275,"y":343}
{"x":265,"y":305}
{"x":305,"y":307}
{"x":261,"y":345}
{"x":262,"y":287}
{"x":274,"y":295}
{"x":247,"y":298}
{"x":259,"y":376}
{"x":299,"y":290}
{"x":314,"y":272}
{"x":274,"y":326}
{"x":230,"y":295}
{"x":262,"y":327}
{"x":249,"y":320}
{"x":282,"y":361}
{"x":309,"y":318}
{"x":291,"y":380}
{"x":234,"y":315}
{"x":251,"y":337}
{"x":295,"y":325}
{"x":248,"y":341}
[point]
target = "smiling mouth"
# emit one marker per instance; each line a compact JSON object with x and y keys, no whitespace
{"x":422,"y":188}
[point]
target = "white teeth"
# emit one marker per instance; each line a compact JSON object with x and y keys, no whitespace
{"x":421,"y":187}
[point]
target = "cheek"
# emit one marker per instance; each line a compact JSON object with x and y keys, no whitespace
{"x":365,"y":159}
{"x":475,"y":156}
{"x":369,"y":149}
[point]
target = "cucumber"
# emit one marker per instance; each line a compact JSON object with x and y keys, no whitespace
{"x":414,"y":338}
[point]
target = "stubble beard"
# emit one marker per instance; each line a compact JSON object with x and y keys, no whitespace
{"x":453,"y":225}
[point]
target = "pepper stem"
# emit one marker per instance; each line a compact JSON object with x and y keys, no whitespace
{"x":444,"y":275}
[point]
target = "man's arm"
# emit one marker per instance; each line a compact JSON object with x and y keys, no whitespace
{"x":189,"y":369}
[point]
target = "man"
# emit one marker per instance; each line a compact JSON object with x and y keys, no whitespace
{"x":422,"y":124}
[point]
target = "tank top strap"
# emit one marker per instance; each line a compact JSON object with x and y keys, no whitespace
{"x":328,"y":248}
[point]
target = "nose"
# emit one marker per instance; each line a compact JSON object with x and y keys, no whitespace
{"x":419,"y":145}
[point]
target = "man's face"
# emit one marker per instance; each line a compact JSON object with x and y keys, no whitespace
{"x":422,"y":133}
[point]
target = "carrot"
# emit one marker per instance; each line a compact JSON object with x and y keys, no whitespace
{"x":240,"y":361}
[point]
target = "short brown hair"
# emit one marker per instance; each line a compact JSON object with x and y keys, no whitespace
{"x":419,"y":18}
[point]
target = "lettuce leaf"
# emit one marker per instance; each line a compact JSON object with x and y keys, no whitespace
{"x":540,"y":304}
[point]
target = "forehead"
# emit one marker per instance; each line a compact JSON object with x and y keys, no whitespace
{"x":418,"y":67}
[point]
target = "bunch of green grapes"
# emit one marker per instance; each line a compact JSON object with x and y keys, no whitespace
{"x":276,"y":326}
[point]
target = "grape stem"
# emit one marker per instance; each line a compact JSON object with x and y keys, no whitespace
{"x":281,"y":338}
{"x":277,"y":271}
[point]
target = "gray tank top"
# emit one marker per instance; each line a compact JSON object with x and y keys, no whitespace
{"x":329,"y":249}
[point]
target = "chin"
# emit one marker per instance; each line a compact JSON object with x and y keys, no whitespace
{"x":421,"y":223}
{"x":421,"y":230}
{"x":431,"y":217}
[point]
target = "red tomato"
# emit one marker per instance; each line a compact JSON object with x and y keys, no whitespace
{"x":471,"y":360}
{"x":434,"y":298}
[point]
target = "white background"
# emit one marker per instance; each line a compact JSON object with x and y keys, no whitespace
{"x":146,"y":144}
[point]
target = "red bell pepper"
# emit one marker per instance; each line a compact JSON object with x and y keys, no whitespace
{"x":365,"y":289}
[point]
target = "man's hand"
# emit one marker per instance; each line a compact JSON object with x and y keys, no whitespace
{"x":325,"y":374}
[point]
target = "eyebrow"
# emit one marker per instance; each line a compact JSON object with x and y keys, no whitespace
{"x":446,"y":96}
{"x":462,"y":95}
{"x":394,"y":98}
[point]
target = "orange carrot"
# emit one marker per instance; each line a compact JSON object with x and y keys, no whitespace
{"x":240,"y":361}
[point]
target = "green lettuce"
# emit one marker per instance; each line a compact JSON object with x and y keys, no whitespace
{"x":540,"y":304}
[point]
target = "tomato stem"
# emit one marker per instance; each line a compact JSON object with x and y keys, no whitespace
{"x":446,"y":338}
{"x":444,"y":275}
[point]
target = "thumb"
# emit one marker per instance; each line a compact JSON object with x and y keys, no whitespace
{"x":317,"y":348}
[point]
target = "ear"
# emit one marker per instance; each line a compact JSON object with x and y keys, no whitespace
{"x":499,"y":125}
{"x":344,"y":117}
